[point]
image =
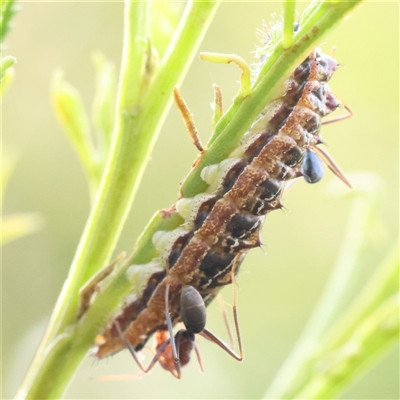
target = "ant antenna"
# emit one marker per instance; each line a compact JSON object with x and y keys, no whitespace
{"x":349,"y":114}
{"x":225,"y":317}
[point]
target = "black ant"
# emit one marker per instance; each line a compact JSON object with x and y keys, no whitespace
{"x":174,"y":354}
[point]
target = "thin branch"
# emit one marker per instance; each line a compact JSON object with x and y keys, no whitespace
{"x":289,"y":9}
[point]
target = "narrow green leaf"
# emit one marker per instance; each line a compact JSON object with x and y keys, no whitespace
{"x":165,"y":16}
{"x":103,"y":109}
{"x":71,"y":115}
{"x":5,"y":64}
{"x":382,"y":286}
{"x":245,"y":78}
{"x":289,"y":9}
{"x":335,"y":294}
{"x":15,"y":226}
{"x":367,"y":329}
{"x":369,"y":341}
{"x":6,"y":81}
{"x":7,"y":12}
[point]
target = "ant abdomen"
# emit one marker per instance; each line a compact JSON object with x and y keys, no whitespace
{"x":312,"y":167}
{"x":193,"y":309}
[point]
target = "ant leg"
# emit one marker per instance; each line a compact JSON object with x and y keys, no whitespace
{"x":235,"y":317}
{"x":332,"y":165}
{"x":340,"y":117}
{"x":174,"y":340}
{"x":210,"y":336}
{"x":225,"y":317}
{"x":90,"y":287}
{"x":175,"y":352}
{"x":169,"y":324}
{"x":129,"y":347}
{"x":289,"y":184}
{"x":197,"y":350}
{"x":156,"y":358}
{"x":187,"y":117}
{"x":133,"y":352}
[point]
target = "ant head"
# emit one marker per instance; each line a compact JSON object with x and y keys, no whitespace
{"x":184,"y":343}
{"x":193,"y":310}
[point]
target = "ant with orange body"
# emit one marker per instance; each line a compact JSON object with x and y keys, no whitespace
{"x":174,"y":354}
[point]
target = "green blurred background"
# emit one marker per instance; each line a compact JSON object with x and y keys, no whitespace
{"x":278,"y":287}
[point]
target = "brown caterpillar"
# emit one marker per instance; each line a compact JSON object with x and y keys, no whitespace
{"x":224,"y":222}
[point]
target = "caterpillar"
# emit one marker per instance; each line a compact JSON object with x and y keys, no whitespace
{"x":223,"y":223}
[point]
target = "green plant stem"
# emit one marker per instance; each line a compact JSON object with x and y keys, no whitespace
{"x":368,"y":329}
{"x":289,"y":10}
{"x":377,"y":334}
{"x":138,"y":121}
{"x":331,"y":301}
